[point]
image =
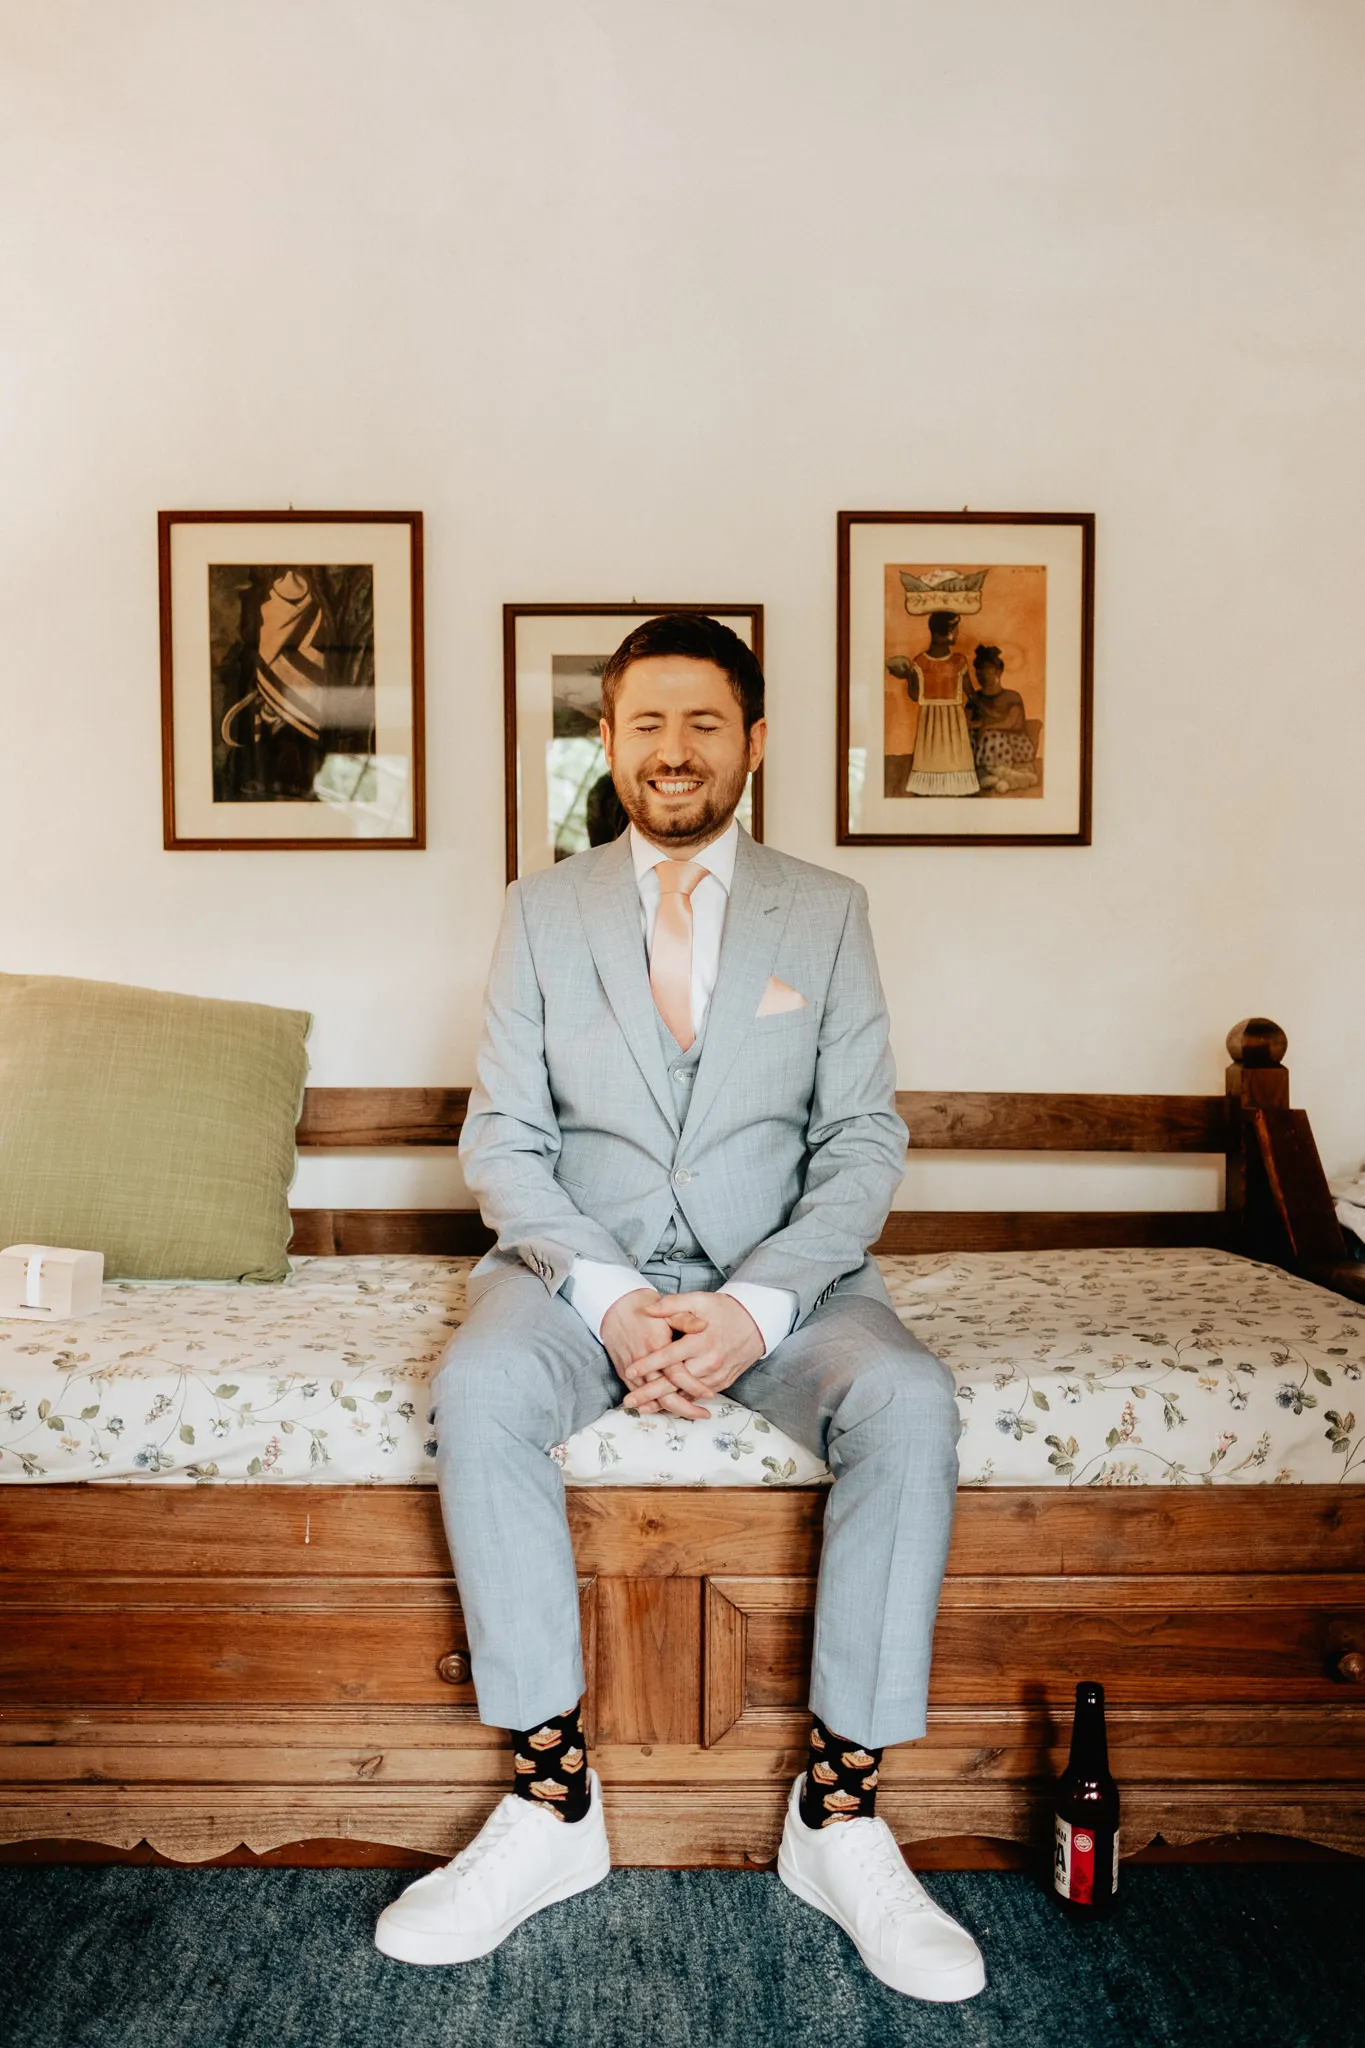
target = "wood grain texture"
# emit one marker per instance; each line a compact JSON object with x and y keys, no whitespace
{"x":1226,"y":1636}
{"x":1257,"y":1042}
{"x":664,"y":1532}
{"x":649,"y":1652}
{"x":160,"y":1655}
{"x":652,"y":1532}
{"x":724,"y":1658}
{"x":970,"y":1120}
{"x":974,"y":1122}
{"x":1009,"y":1530}
{"x":88,"y":1642}
{"x":1298,"y":1186}
{"x":372,"y":1233}
{"x":732,"y":1826}
{"x":1148,"y":1655}
{"x":421,"y":1779}
{"x":249,"y":1743}
{"x":461,"y":1233}
{"x":351,"y":1119}
{"x":1043,"y":1230}
{"x":1256,"y":1082}
{"x":331,"y":1531}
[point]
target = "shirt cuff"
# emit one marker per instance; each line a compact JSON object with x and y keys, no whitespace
{"x":594,"y":1287}
{"x":772,"y":1308}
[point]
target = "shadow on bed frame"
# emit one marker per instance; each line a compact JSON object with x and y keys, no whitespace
{"x":248,"y":1675}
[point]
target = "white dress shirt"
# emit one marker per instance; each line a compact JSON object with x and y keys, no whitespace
{"x":594,"y":1286}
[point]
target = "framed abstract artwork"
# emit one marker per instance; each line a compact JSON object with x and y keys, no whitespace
{"x":291,"y":680}
{"x":560,"y":798}
{"x":965,"y":652}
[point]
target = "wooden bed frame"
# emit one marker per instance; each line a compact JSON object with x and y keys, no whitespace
{"x":237,"y":1674}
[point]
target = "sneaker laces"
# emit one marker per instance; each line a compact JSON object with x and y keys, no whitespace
{"x":492,"y":1839}
{"x":892,"y":1882}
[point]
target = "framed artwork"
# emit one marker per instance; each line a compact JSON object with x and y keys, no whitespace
{"x":964,"y":675}
{"x":560,"y":798}
{"x":291,"y":680}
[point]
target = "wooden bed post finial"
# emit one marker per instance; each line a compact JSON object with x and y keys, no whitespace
{"x":1257,"y":1042}
{"x":1279,"y":1204}
{"x":1255,"y":1080}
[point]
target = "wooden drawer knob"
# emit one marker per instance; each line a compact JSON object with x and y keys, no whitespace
{"x":453,"y":1668}
{"x":1346,"y":1650}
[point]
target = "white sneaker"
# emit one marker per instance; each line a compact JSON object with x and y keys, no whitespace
{"x":520,"y":1860}
{"x":853,"y":1871}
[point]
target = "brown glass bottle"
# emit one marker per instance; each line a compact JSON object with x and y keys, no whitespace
{"x":1085,"y":1869}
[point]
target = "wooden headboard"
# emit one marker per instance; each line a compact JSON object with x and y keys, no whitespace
{"x":1276,"y":1203}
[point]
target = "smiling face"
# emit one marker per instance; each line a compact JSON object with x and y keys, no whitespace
{"x":678,"y":751}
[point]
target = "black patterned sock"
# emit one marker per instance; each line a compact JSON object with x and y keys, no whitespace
{"x":841,"y":1779}
{"x":550,"y":1765}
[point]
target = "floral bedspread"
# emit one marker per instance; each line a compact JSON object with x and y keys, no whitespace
{"x":1108,"y":1368}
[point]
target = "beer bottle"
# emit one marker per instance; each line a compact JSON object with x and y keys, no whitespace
{"x":1086,"y":1815}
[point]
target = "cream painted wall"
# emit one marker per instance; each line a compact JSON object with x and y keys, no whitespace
{"x":630,"y":298}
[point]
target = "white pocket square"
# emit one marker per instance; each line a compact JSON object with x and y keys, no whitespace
{"x":778,"y":999}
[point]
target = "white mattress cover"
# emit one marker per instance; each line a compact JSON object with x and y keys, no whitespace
{"x":1103,"y":1368}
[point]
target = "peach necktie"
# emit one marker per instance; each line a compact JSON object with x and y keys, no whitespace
{"x":670,"y":959}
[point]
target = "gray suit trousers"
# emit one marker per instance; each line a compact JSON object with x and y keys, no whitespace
{"x":851,"y":1384}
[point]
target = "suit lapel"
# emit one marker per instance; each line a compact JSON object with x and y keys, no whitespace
{"x":760,"y":903}
{"x":610,"y":900}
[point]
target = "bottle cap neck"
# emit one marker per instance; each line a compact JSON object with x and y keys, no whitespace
{"x":1089,"y":1742}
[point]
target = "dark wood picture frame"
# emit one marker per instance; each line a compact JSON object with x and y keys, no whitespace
{"x":1084,"y":522}
{"x":177,"y":842}
{"x":511,"y":613}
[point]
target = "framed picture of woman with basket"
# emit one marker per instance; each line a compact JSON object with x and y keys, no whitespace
{"x":964,"y":668}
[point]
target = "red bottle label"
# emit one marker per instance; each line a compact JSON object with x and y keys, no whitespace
{"x":1073,"y":1869}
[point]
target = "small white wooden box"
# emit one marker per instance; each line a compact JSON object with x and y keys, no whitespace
{"x":49,"y":1282}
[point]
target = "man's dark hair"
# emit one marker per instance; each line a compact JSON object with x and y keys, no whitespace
{"x":941,"y":623}
{"x":699,"y":638}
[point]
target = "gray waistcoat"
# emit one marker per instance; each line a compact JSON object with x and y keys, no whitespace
{"x":678,"y":1241}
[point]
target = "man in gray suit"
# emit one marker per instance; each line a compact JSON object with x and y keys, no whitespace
{"x":685,"y":1137}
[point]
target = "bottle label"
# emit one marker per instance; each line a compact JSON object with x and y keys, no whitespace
{"x":1074,"y":1872}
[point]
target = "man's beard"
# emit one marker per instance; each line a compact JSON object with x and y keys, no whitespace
{"x":704,"y":816}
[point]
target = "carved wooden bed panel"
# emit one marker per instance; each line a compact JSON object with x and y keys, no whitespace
{"x":244,"y":1673}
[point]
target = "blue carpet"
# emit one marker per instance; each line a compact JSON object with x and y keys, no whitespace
{"x":151,"y":1958}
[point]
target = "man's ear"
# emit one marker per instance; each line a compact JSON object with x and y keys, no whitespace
{"x":605,"y":729}
{"x":758,"y":740}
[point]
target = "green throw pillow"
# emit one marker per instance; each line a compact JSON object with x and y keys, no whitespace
{"x":157,"y":1129}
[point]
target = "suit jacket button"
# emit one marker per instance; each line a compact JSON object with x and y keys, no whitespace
{"x":682,"y":1178}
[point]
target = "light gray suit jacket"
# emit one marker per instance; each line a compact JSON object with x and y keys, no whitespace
{"x":791,"y":1150}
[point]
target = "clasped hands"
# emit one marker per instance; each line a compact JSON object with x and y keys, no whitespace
{"x":676,"y":1350}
